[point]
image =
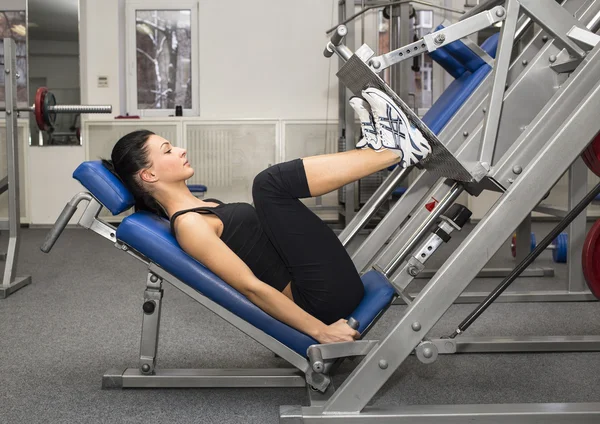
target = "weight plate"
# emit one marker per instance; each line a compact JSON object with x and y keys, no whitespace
{"x":40,"y":95}
{"x":590,"y":259}
{"x":513,"y":244}
{"x":49,"y":117}
{"x":561,"y":243}
{"x":591,"y":155}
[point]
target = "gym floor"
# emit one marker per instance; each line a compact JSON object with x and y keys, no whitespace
{"x":82,"y":316}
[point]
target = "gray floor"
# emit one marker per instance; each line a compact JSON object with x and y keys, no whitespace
{"x":82,"y":316}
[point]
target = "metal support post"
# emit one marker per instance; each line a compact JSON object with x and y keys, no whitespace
{"x":499,"y":77}
{"x":347,"y":118}
{"x":578,"y":183}
{"x":402,"y":74}
{"x":11,"y":283}
{"x":523,"y":244}
{"x":151,"y":323}
{"x":373,"y":204}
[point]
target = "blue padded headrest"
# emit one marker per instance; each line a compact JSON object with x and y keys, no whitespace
{"x":104,"y":186}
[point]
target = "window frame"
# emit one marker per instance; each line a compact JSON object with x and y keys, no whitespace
{"x":131,"y":54}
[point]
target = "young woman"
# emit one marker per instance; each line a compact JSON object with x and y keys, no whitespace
{"x":278,"y":254}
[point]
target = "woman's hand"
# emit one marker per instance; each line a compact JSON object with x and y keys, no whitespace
{"x":339,"y":331}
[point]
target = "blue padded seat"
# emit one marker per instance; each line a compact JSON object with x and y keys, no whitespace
{"x":150,"y":235}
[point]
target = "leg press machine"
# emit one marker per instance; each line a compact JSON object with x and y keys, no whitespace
{"x":481,"y":141}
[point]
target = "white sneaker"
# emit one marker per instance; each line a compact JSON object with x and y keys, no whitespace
{"x":367,"y":126}
{"x":395,"y":130}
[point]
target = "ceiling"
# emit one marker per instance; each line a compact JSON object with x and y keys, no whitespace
{"x":54,"y":20}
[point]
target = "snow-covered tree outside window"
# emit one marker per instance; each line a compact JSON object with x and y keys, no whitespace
{"x":162,"y":57}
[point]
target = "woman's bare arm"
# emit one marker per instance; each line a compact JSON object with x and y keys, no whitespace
{"x":200,"y":241}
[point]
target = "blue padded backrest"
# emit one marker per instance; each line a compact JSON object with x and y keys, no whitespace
{"x":104,"y":186}
{"x":151,"y":236}
{"x":453,"y":98}
{"x":448,"y":62}
{"x":490,"y":45}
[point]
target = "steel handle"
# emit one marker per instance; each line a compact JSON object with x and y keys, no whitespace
{"x":316,"y":359}
{"x":353,"y":323}
{"x":336,"y":40}
{"x":338,"y":35}
{"x":59,"y":226}
{"x":63,"y":219}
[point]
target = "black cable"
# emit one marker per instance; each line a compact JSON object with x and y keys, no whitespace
{"x":527,"y":261}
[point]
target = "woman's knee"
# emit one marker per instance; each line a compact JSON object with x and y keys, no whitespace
{"x":261,"y":180}
{"x":265,"y":184}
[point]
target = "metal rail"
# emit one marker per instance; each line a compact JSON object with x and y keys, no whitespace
{"x":393,"y":3}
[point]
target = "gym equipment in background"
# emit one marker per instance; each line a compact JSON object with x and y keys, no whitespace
{"x":45,"y":110}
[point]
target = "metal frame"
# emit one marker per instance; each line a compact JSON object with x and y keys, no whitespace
{"x":10,"y":281}
{"x":146,"y":375}
{"x":525,"y":171}
{"x":462,"y":136}
{"x":349,"y":402}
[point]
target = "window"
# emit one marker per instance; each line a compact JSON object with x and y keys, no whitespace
{"x":13,"y":25}
{"x":162,"y":57}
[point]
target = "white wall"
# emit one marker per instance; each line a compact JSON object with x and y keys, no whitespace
{"x":264,"y":59}
{"x":260,"y":59}
{"x":57,"y":61}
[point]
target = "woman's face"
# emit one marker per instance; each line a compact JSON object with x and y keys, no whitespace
{"x":169,"y":163}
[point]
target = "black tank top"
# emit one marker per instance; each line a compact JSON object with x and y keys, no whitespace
{"x":244,"y":235}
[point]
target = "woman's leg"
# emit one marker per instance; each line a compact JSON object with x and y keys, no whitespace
{"x":326,"y":173}
{"x":325,"y":282}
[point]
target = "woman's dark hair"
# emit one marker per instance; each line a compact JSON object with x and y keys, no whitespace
{"x":128,"y":157}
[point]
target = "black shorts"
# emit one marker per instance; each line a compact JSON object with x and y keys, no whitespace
{"x":325,"y":282}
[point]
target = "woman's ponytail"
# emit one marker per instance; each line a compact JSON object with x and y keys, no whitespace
{"x":128,"y":157}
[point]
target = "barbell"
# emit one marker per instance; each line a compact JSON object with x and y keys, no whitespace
{"x":559,"y":247}
{"x":45,"y":109}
